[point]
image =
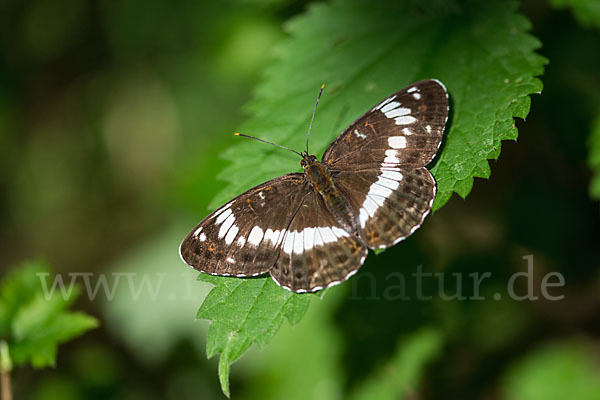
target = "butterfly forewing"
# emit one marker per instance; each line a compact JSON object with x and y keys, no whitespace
{"x":316,"y":251}
{"x":405,"y":128}
{"x":242,"y":237}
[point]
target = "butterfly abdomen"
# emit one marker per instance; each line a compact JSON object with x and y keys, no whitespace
{"x":334,"y":200}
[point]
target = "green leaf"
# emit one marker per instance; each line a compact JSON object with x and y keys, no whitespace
{"x":594,"y":159}
{"x":396,"y":379}
{"x":244,"y":312}
{"x":363,"y":51}
{"x":16,"y":290}
{"x":587,"y":12}
{"x":560,"y":370}
{"x":34,"y":323}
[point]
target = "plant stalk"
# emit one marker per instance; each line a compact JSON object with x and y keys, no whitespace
{"x":5,"y":369}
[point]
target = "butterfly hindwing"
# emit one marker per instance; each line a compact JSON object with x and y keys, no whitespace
{"x":316,"y":251}
{"x":405,"y":128}
{"x":242,"y":237}
{"x":391,"y":203}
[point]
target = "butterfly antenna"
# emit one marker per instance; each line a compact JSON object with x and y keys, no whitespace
{"x":313,"y":116}
{"x":264,"y":141}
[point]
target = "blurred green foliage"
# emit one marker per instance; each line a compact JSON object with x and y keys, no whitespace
{"x":555,"y":371}
{"x":587,"y":12}
{"x":34,"y":320}
{"x":114,"y":117}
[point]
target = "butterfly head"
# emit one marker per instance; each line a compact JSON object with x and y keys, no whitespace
{"x":307,"y":160}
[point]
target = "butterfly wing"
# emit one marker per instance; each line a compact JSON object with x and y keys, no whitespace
{"x":379,"y":162}
{"x":316,"y":251}
{"x":390,"y":203}
{"x":405,"y":129}
{"x":242,"y":237}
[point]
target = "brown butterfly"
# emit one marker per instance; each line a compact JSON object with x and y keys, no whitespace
{"x":312,"y":230}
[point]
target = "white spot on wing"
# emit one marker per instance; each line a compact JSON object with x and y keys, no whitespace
{"x":405,"y":120}
{"x":241,"y":241}
{"x":389,"y":107}
{"x":379,"y":191}
{"x":360,"y":135}
{"x":288,"y":244}
{"x":385,"y":182}
{"x":370,"y":206}
{"x":397,"y":112}
{"x":428,"y":128}
{"x":383,"y":103}
{"x":377,"y":199}
{"x":318,"y":237}
{"x":407,"y":131}
{"x":226,"y":225}
{"x":202,"y":237}
{"x":299,"y":242}
{"x":256,"y":235}
{"x":223,"y":216}
{"x":197,"y":232}
{"x":225,"y":207}
{"x":327,"y":234}
{"x":390,"y":157}
{"x":417,"y":95}
{"x":339,"y":232}
{"x":397,"y":176}
{"x":272,"y":236}
{"x":279,"y":236}
{"x":401,"y":115}
{"x":309,"y":238}
{"x":397,"y":142}
{"x":230,"y":237}
{"x":412,"y":89}
{"x":363,"y":217}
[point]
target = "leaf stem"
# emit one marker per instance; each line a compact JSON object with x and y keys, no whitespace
{"x":5,"y":369}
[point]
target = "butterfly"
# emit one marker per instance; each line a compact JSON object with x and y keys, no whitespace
{"x":312,"y":230}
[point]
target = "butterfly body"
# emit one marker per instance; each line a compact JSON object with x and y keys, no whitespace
{"x":312,"y":230}
{"x":323,"y":183}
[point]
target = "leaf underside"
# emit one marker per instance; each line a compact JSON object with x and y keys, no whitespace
{"x":363,"y":51}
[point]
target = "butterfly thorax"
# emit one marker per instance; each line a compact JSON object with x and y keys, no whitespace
{"x":321,"y":180}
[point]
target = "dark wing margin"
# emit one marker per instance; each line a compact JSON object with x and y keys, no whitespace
{"x":406,"y":128}
{"x":316,"y":251}
{"x":242,"y":237}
